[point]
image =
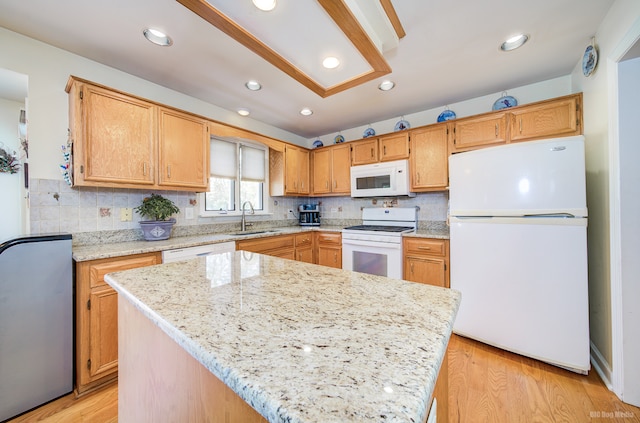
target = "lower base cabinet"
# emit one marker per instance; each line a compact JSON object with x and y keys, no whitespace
{"x":97,"y":318}
{"x":426,"y":260}
{"x":329,"y":249}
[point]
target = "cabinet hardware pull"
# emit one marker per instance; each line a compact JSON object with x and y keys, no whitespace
{"x":411,"y":267}
{"x":326,"y":184}
{"x":81,"y":168}
{"x":169,"y":171}
{"x":496,"y":130}
{"x":384,"y":150}
{"x":144,"y":168}
{"x":521,"y":125}
{"x":418,"y":176}
{"x":336,"y":183}
{"x":424,"y":248}
{"x":372,"y":152}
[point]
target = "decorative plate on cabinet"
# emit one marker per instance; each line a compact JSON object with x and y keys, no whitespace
{"x":317,"y":143}
{"x":446,"y":115}
{"x":504,"y":102}
{"x":338,"y":139}
{"x":402,"y":125}
{"x":369,"y":132}
{"x":589,"y":60}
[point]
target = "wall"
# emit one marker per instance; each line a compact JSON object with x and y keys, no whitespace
{"x":544,"y":90}
{"x":10,"y":184}
{"x":598,"y":92}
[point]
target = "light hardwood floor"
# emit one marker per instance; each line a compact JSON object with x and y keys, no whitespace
{"x":485,"y":385}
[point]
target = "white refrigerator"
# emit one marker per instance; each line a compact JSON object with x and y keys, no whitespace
{"x":518,"y":221}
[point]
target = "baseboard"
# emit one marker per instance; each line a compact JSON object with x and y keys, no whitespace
{"x":601,"y":366}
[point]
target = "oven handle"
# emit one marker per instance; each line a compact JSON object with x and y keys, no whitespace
{"x":392,"y":245}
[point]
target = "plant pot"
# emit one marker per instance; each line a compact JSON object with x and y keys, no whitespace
{"x":157,"y":230}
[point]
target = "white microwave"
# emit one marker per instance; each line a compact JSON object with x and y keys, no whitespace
{"x":384,"y":179}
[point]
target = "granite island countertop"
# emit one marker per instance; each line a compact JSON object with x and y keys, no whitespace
{"x":301,"y":342}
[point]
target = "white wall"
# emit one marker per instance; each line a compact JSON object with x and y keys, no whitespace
{"x":10,"y":184}
{"x":629,"y":110}
{"x":526,"y":94}
{"x":598,"y":92}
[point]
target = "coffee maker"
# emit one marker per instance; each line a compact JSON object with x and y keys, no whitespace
{"x":309,"y":215}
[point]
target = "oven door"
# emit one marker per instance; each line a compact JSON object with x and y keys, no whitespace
{"x":373,"y":257}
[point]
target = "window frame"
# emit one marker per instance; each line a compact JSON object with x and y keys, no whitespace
{"x":237,"y":184}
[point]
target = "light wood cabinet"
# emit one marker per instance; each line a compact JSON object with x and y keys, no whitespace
{"x":394,"y":146}
{"x":329,"y":249}
{"x":426,"y":261}
{"x":123,"y":141}
{"x":277,"y":245}
{"x":331,"y":170}
{"x":479,"y":131}
{"x":304,"y":247}
{"x":364,"y":152}
{"x":552,"y":118}
{"x":428,"y":163}
{"x":296,"y":164}
{"x":183,"y":150}
{"x":97,"y":318}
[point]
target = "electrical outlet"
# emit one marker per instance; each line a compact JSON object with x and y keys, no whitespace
{"x":334,"y":210}
{"x":126,"y":214}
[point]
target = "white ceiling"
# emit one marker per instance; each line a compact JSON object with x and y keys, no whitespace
{"x":450,"y":52}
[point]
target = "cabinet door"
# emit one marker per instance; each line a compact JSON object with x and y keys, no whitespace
{"x":340,"y":169}
{"x":490,"y":129}
{"x":364,"y":152}
{"x":304,"y":254}
{"x":429,"y":158}
{"x":427,"y":270}
{"x":330,"y":256}
{"x":321,"y":171}
{"x":394,"y":147}
{"x":118,"y":138}
{"x":548,"y":119}
{"x":303,"y":172}
{"x":104,"y":333}
{"x":183,"y":150}
{"x":97,"y":318}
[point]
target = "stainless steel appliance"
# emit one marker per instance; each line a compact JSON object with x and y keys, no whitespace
{"x":309,"y":215}
{"x":36,"y":322}
{"x":375,"y":247}
{"x":384,"y":179}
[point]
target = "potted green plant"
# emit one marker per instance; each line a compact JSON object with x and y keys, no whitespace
{"x":158,"y":210}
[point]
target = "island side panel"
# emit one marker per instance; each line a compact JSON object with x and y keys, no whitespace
{"x":160,"y":382}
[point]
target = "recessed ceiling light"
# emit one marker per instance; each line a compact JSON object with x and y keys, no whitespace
{"x":330,"y":62}
{"x":253,"y":85}
{"x":265,"y":5}
{"x":157,"y":37}
{"x":386,"y":85}
{"x":306,"y":112}
{"x":514,"y":42}
{"x":243,"y":112}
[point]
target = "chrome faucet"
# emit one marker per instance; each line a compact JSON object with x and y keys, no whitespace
{"x":243,"y":222}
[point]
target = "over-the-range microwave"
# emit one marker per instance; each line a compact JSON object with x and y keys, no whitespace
{"x":384,"y":179}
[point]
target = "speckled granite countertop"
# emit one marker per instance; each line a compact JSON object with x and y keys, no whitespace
{"x":301,"y":342}
{"x":116,"y":249}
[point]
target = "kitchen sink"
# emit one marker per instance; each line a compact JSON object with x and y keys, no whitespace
{"x":270,"y":231}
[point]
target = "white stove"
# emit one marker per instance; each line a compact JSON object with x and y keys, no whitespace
{"x":375,"y":247}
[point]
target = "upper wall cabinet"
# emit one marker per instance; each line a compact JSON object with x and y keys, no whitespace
{"x":289,"y":171}
{"x":382,"y":149}
{"x":331,"y":170}
{"x":558,"y":117}
{"x":429,"y":158}
{"x":126,"y":142}
{"x":553,"y":118}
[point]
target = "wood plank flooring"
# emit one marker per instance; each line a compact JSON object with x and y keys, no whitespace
{"x":485,"y":385}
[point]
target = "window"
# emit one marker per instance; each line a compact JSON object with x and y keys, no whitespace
{"x":239,"y":173}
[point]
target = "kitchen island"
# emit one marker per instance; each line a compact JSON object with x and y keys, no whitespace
{"x":201,"y":339}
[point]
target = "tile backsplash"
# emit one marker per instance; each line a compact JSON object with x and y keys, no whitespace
{"x":56,"y":207}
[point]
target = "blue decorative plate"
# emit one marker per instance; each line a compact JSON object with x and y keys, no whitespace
{"x":446,"y":115}
{"x":589,"y":60}
{"x":402,"y":125}
{"x":338,"y":139}
{"x":369,"y":132}
{"x":504,"y":102}
{"x":317,"y":143}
